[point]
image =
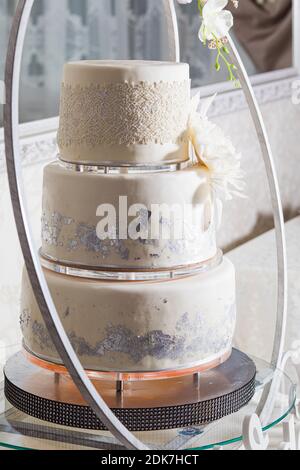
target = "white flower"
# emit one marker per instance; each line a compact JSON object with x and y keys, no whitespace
{"x":216,"y":22}
{"x":215,"y":151}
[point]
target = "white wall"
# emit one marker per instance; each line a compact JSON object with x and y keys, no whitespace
{"x":245,"y":218}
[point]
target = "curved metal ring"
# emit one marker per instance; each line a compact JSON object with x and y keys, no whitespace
{"x":282,"y":281}
{"x":37,"y":279}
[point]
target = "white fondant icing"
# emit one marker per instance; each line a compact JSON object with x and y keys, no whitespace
{"x":124,"y":112}
{"x":137,"y":326}
{"x":99,"y":72}
{"x":70,"y":203}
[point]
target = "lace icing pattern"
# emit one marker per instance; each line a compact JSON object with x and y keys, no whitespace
{"x":123,"y":113}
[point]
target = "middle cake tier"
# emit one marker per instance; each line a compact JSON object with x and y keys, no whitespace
{"x":160,"y":220}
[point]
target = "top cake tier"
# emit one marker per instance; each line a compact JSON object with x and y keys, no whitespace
{"x":124,"y":112}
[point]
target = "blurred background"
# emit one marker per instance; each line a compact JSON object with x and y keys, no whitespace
{"x":63,"y":30}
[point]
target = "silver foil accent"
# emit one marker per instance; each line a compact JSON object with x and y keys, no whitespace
{"x":120,"y":339}
{"x":51,"y":230}
{"x":25,"y":318}
{"x":60,"y":230}
{"x":86,"y":237}
{"x":42,"y":337}
{"x":156,"y":343}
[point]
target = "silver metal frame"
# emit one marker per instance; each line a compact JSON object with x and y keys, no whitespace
{"x":282,"y":280}
{"x":276,"y":205}
{"x":37,"y":279}
{"x":296,"y":36}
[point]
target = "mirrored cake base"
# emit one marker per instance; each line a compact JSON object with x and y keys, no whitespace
{"x":196,"y":399}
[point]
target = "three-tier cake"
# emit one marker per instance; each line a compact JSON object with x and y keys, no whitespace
{"x":129,"y":227}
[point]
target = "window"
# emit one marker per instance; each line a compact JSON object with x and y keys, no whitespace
{"x":63,"y":30}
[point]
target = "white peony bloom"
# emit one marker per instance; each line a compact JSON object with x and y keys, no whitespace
{"x":216,"y":22}
{"x":215,"y":151}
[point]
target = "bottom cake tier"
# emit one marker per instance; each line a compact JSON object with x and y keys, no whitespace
{"x":137,"y":326}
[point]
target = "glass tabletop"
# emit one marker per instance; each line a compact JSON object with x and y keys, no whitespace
{"x":22,"y":432}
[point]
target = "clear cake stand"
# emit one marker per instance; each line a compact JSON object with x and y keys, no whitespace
{"x":19,"y":431}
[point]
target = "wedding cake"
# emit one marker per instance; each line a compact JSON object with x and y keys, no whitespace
{"x":130,"y":214}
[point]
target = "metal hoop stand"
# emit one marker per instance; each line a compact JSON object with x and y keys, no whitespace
{"x":81,"y":380}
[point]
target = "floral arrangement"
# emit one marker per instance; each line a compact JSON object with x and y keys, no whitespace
{"x":216,"y":23}
{"x":212,"y":149}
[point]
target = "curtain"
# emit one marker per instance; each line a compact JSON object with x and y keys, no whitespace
{"x":264,"y":28}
